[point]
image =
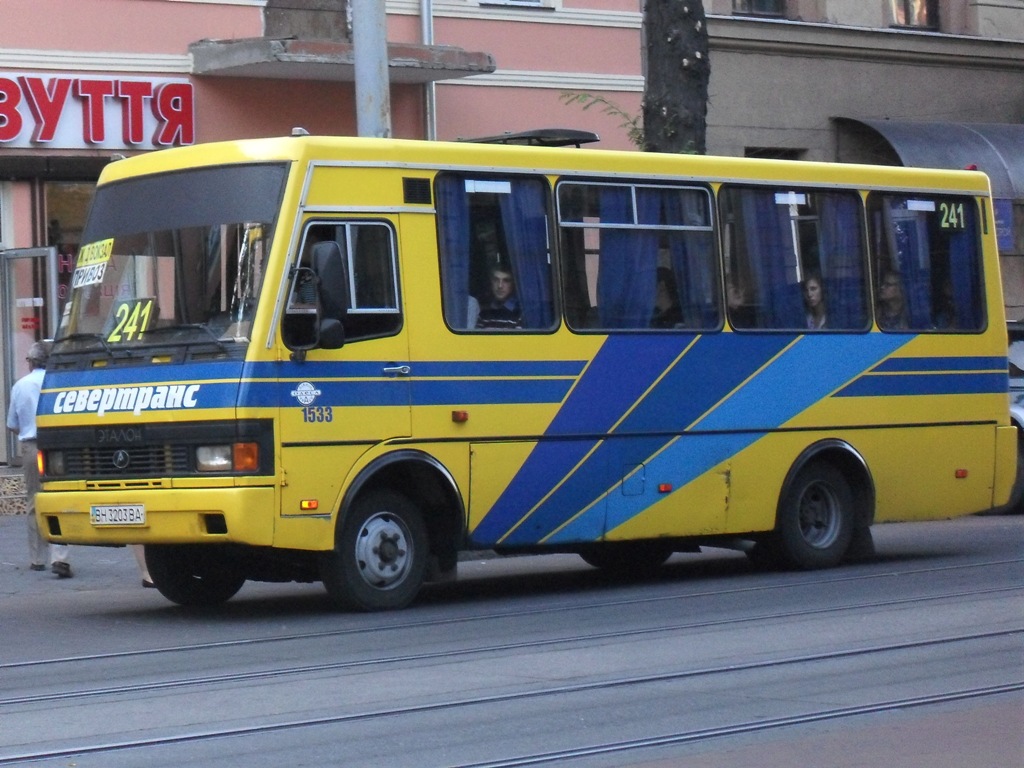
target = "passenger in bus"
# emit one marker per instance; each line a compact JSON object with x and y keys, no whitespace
{"x":667,"y":312}
{"x":891,"y":312}
{"x":741,"y":313}
{"x":501,"y":310}
{"x":814,"y":302}
{"x":944,"y":316}
{"x":472,"y":311}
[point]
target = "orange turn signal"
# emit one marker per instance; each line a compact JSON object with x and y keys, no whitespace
{"x":246,"y":457}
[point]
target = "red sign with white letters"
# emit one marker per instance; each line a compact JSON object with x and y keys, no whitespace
{"x":71,"y":111}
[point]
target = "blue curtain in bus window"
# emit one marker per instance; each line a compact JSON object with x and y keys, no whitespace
{"x":453,"y":231}
{"x":963,"y":269}
{"x":769,"y":240}
{"x":842,"y":261}
{"x":524,"y":219}
{"x":692,"y":260}
{"x":628,"y":261}
{"x":910,"y":232}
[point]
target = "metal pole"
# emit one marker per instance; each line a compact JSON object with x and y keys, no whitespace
{"x":429,"y":90}
{"x":370,"y":41}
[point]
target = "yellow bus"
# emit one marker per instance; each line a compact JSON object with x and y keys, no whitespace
{"x":349,"y":360}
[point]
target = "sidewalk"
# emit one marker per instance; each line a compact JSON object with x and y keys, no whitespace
{"x":95,"y":568}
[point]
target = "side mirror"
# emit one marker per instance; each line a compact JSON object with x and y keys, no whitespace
{"x":300,"y":327}
{"x":317,"y":302}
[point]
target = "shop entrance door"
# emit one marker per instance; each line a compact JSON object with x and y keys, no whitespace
{"x":30,"y":293}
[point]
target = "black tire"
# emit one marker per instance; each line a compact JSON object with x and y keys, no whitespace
{"x":193,"y":575}
{"x":627,"y":558}
{"x":816,"y":518}
{"x":380,"y":554}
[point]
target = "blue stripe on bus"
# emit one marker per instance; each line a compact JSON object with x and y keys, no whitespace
{"x":149,"y":375}
{"x":804,"y":374}
{"x":927,"y":384}
{"x":622,"y":371}
{"x":935,"y":364}
{"x":374,"y":369}
{"x":813,"y":368}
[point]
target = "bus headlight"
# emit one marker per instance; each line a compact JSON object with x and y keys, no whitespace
{"x":213,"y":458}
{"x":52,"y":463}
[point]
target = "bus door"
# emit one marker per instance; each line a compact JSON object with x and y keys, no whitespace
{"x":338,"y":403}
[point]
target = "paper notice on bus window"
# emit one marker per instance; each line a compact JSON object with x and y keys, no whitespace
{"x":790,"y":198}
{"x":92,"y":263}
{"x":921,"y":205}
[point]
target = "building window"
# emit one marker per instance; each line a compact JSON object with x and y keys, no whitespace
{"x":522,"y":3}
{"x":760,"y":7}
{"x":915,"y":13}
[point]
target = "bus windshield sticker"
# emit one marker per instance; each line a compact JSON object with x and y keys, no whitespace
{"x":921,"y":205}
{"x":92,"y":263}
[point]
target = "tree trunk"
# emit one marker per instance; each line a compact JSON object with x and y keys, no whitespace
{"x":675,"y":104}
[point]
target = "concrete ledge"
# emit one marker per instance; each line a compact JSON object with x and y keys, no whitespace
{"x":333,"y":61}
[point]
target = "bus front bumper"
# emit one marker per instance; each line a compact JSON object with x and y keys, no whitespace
{"x":159,"y":516}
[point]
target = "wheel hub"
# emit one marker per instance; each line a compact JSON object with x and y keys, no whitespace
{"x":382,"y":551}
{"x":819,"y":515}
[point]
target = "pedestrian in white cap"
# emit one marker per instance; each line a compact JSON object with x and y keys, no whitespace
{"x":21,"y":419}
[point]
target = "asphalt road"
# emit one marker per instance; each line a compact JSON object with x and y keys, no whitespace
{"x":912,"y":660}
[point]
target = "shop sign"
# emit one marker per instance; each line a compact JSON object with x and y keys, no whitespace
{"x":75,"y":111}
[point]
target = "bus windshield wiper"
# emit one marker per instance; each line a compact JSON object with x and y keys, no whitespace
{"x":75,"y":338}
{"x":167,"y":329}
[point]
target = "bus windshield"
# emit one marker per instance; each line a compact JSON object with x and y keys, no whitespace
{"x":174,"y":260}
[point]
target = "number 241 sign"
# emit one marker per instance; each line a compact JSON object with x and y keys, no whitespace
{"x":131,"y":319}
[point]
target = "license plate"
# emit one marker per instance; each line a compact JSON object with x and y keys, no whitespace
{"x":117,"y":514}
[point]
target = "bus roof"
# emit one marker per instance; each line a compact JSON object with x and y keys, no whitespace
{"x":548,"y":160}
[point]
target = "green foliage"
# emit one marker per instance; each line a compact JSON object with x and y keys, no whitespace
{"x":633,"y":124}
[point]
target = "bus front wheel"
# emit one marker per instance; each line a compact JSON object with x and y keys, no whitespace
{"x":380,"y":554}
{"x":816,"y":518}
{"x":192,"y":575}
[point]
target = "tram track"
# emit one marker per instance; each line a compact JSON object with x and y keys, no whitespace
{"x":404,"y":624}
{"x":736,"y":729}
{"x":444,"y":655}
{"x":113,"y":745}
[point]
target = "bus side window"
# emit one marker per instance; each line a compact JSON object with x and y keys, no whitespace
{"x":795,"y":259}
{"x":927,"y":258}
{"x":494,"y":225}
{"x":355,"y":264}
{"x":637,"y":257}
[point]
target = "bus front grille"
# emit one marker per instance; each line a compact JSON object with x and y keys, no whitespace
{"x":137,"y":461}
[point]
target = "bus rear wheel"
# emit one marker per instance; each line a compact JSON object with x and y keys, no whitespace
{"x":380,"y":554}
{"x":192,"y":575}
{"x":816,"y":518}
